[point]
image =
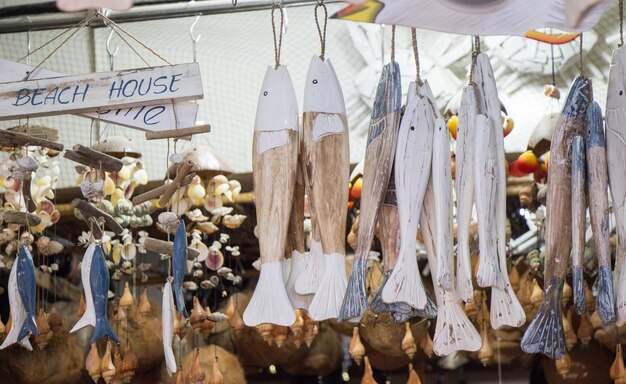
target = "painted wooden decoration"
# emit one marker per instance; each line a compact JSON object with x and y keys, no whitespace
{"x":275,"y":158}
{"x":616,"y":158}
{"x":379,"y":156}
{"x":453,"y":330}
{"x":412,"y":170}
{"x":597,"y":185}
{"x":81,"y":5}
{"x":579,"y":224}
{"x":489,"y":17}
{"x":326,"y":162}
{"x":103,"y":91}
{"x":464,"y":188}
{"x":505,"y":307}
{"x":545,"y":333}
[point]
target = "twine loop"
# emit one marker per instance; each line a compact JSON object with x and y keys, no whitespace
{"x":321,"y":31}
{"x":278,"y":42}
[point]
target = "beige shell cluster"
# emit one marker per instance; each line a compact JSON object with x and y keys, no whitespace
{"x":302,"y":332}
{"x":115,"y":366}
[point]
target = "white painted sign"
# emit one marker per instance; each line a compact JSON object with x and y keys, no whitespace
{"x":81,"y":5}
{"x":137,"y":94}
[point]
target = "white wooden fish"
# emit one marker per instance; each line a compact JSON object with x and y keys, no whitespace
{"x":310,"y":278}
{"x":89,"y":317}
{"x":412,"y":171}
{"x":167,"y":331}
{"x":616,"y":158}
{"x":464,"y":187}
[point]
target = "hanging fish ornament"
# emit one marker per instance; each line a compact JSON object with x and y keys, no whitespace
{"x":545,"y":333}
{"x":168,"y":313}
{"x":616,"y":158}
{"x":379,"y":158}
{"x":275,"y":158}
{"x":464,"y":188}
{"x":326,"y":162}
{"x":89,"y":316}
{"x":505,"y":307}
{"x":99,"y":282}
{"x":579,"y":224}
{"x":411,"y":174}
{"x":179,"y":264}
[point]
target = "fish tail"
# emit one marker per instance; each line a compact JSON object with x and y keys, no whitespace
{"x":29,"y":327}
{"x":489,"y":274}
{"x":454,"y":331}
{"x":580,"y":301}
{"x":298,"y":301}
{"x":464,"y":288}
{"x":405,"y":285}
{"x":269,"y":302}
{"x":545,"y":333}
{"x":355,"y":300}
{"x":430,"y":309}
{"x":377,"y":305}
{"x":506,"y":309}
{"x":605,"y":304}
{"x":180,"y":301}
{"x":103,"y":328}
{"x":329,"y":296}
{"x":310,"y":278}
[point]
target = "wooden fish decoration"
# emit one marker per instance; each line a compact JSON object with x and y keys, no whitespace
{"x":275,"y":159}
{"x":179,"y":265}
{"x":545,"y":333}
{"x":411,"y":173}
{"x":579,"y":224}
{"x":326,"y":162}
{"x":597,"y":183}
{"x":89,"y":316}
{"x":379,"y":158}
{"x":464,"y":188}
{"x":616,"y":158}
{"x":168,"y":314}
{"x":99,"y":281}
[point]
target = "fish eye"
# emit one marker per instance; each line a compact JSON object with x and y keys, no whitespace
{"x":314,"y":81}
{"x":265,"y":93}
{"x":621,"y":92}
{"x":412,"y":128}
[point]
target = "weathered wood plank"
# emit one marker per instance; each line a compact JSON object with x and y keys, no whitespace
{"x":178,"y":133}
{"x":158,"y":191}
{"x":100,"y":91}
{"x":15,"y":139}
{"x":89,"y":210}
{"x":166,"y":248}
{"x":94,"y":159}
{"x":20,"y":218}
{"x":176,"y":183}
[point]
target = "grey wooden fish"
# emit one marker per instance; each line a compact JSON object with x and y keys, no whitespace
{"x":597,"y":183}
{"x":99,"y":281}
{"x":579,"y":225}
{"x":179,"y":263}
{"x":28,"y":291}
{"x":545,"y":333}
{"x":379,"y":157}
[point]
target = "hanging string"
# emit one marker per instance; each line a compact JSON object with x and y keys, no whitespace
{"x":418,"y":79}
{"x":320,"y":3}
{"x":621,"y":22}
{"x":393,"y":43}
{"x":553,"y":67}
{"x":475,"y":53}
{"x":580,"y":57}
{"x":278,"y":44}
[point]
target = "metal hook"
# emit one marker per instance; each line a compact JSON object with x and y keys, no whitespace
{"x":112,"y":53}
{"x":194,"y":39}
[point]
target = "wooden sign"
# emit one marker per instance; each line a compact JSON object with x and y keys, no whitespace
{"x":81,"y":5}
{"x":138,"y":98}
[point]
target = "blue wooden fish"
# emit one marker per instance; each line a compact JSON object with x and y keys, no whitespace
{"x":27,"y":289}
{"x":179,"y":261}
{"x":99,"y":282}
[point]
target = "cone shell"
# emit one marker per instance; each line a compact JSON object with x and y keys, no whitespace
{"x":567,"y":293}
{"x":570,"y":336}
{"x":179,"y":327}
{"x":357,"y":349}
{"x":427,"y":345}
{"x":144,"y":303}
{"x":368,"y":376}
{"x":93,"y":362}
{"x":2,"y":329}
{"x":196,"y":374}
{"x":266,"y":332}
{"x":310,"y":330}
{"x":43,"y":328}
{"x":55,"y":321}
{"x":408,"y":343}
{"x":120,"y":315}
{"x":563,"y":365}
{"x":514,"y":278}
{"x":106,"y":365}
{"x":198,"y":316}
{"x":180,"y":377}
{"x":139,"y":319}
{"x":618,"y":371}
{"x":127,"y":298}
{"x":298,"y":326}
{"x":485,"y":353}
{"x":585,"y":330}
{"x":130,"y":362}
{"x":234,"y":316}
{"x":207,"y":325}
{"x":216,"y":374}
{"x":413,"y":377}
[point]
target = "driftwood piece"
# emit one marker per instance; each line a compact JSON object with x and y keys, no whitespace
{"x":579,"y":225}
{"x":178,"y":133}
{"x":96,"y":159}
{"x":89,"y":211}
{"x":15,"y":139}
{"x":184,"y":170}
{"x":158,"y":191}
{"x":166,"y":247}
{"x":28,"y":196}
{"x":20,"y":218}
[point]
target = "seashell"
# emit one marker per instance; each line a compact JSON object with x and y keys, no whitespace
{"x":206,"y":284}
{"x":109,"y":186}
{"x":222,"y":211}
{"x":140,"y":176}
{"x":117,"y":275}
{"x":144,"y":303}
{"x":585,"y":330}
{"x":217,"y":317}
{"x":234,"y":221}
{"x":413,"y":377}
{"x":7,"y":235}
{"x":257,"y":264}
{"x":106,"y":365}
{"x":135,"y":222}
{"x":357,"y":349}
{"x":207,"y":227}
{"x":514,"y":278}
{"x":54,"y":267}
{"x":120,"y":315}
{"x":223,"y":271}
{"x":82,"y":306}
{"x":196,"y":374}
{"x":280,"y":335}
{"x":196,"y":216}
{"x":43,"y":268}
{"x":266,"y":332}
{"x":207,"y":326}
{"x":163,"y":256}
{"x":180,"y":377}
{"x":217,"y":244}
{"x":215,"y":280}
{"x":190,"y":285}
{"x":143,"y":278}
{"x":143,"y":267}
{"x":128,"y":251}
{"x":168,"y":218}
{"x":110,"y":295}
{"x":408,"y":342}
{"x":618,"y":371}
{"x":130,"y":362}
{"x":235,"y":188}
{"x":181,"y":205}
{"x":179,"y":327}
{"x":368,"y":376}
{"x":215,"y":259}
{"x":570,"y":336}
{"x":216,"y":374}
{"x":138,"y":319}
{"x":198,"y":273}
{"x":551,"y":90}
{"x":567,"y":294}
{"x":426,"y":344}
{"x":55,"y":321}
{"x":563,"y":366}
{"x":195,"y":190}
{"x":27,"y":164}
{"x":237,"y":280}
{"x":202,"y":249}
{"x":91,"y":189}
{"x":485,"y":353}
{"x":43,"y":328}
{"x":93,"y":363}
{"x":127,"y":298}
{"x":27,"y":238}
{"x":123,"y":220}
{"x":124,"y":173}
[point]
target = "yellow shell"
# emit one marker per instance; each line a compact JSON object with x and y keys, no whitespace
{"x":127,"y":298}
{"x":618,"y":371}
{"x":117,"y":195}
{"x":141,"y":177}
{"x":109,"y":186}
{"x":427,"y":345}
{"x":368,"y":376}
{"x":485,"y":353}
{"x":144,"y":302}
{"x":408,"y":342}
{"x":537,"y":296}
{"x":124,"y":173}
{"x":413,"y":377}
{"x":195,"y":191}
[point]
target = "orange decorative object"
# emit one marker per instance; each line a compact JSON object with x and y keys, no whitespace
{"x":527,"y":162}
{"x":514,"y":171}
{"x":551,"y":38}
